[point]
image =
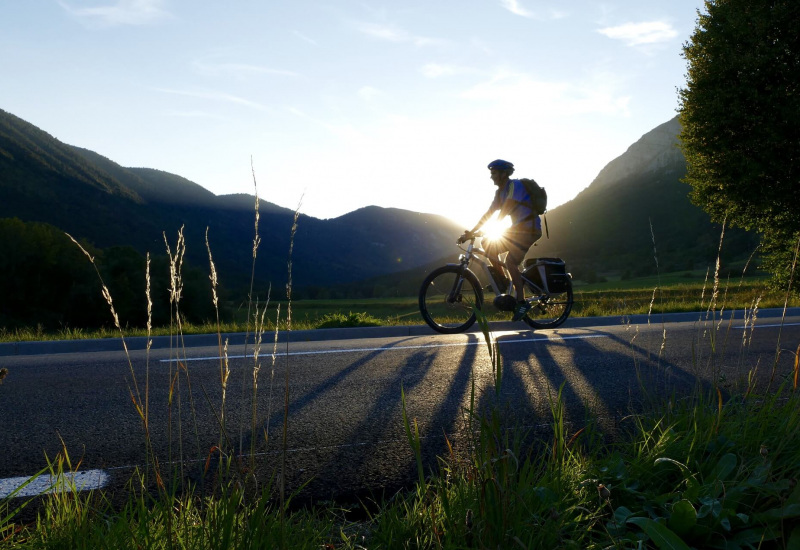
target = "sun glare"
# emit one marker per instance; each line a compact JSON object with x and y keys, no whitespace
{"x":494,"y":228}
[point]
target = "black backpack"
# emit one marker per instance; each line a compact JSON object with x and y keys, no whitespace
{"x":537,"y":194}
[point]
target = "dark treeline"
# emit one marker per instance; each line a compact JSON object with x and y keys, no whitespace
{"x":47,"y":281}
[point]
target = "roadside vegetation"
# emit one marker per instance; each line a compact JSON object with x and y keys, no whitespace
{"x":680,"y":292}
{"x":716,"y":468}
{"x":687,"y":471}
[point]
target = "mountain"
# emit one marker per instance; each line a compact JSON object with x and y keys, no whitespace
{"x":635,"y":217}
{"x":636,"y":212}
{"x":93,"y":198}
{"x":658,"y":149}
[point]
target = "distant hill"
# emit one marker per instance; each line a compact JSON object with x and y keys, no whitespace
{"x":636,"y":210}
{"x":606,"y":228}
{"x":92,"y":197}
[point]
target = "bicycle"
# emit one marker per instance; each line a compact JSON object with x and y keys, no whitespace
{"x":450,"y":294}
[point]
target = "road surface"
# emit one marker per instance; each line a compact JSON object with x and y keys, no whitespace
{"x":345,"y":433}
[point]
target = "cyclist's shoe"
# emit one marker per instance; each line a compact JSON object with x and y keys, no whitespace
{"x":521,"y":309}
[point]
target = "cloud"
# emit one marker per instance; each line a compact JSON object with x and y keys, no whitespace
{"x":514,"y":7}
{"x":394,"y":34}
{"x":636,"y":34}
{"x":436,"y":70}
{"x":122,"y":12}
{"x":216,"y":96}
{"x":195,"y":114}
{"x":368,"y":93}
{"x":240,"y":71}
{"x":519,"y":95}
{"x":305,"y":38}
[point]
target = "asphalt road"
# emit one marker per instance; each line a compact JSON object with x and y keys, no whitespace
{"x":345,"y":434}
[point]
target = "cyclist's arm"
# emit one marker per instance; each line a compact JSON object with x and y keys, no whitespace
{"x":489,"y":213}
{"x":497,"y":203}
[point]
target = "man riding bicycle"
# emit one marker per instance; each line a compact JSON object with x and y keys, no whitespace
{"x":511,"y":199}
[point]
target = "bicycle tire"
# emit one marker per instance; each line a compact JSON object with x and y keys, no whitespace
{"x":551,"y":310}
{"x":445,"y":313}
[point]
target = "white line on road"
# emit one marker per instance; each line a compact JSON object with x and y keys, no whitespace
{"x":393,"y":348}
{"x":776,"y":325}
{"x":80,"y":481}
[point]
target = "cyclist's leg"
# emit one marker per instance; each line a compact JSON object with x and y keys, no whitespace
{"x":513,"y":260}
{"x":518,"y":244}
{"x":493,"y":250}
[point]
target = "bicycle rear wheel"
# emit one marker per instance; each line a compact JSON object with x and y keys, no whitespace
{"x":448,"y":298}
{"x":551,"y":310}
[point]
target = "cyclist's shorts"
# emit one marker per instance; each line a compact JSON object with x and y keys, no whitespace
{"x":518,"y":242}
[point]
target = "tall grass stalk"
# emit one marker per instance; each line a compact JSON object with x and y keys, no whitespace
{"x":176,"y":294}
{"x":259,"y":333}
{"x":250,"y":297}
{"x":274,"y":357}
{"x":783,"y":317}
{"x":661,"y":294}
{"x":224,"y":365}
{"x":494,"y":351}
{"x":133,"y":387}
{"x":152,"y":458}
{"x":141,"y":405}
{"x":285,"y":433}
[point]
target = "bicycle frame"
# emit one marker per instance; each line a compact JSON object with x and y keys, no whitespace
{"x":477,"y":254}
{"x":450,"y":294}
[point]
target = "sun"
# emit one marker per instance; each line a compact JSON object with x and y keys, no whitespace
{"x":494,"y":228}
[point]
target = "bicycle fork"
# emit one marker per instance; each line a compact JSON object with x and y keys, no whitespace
{"x":455,"y":293}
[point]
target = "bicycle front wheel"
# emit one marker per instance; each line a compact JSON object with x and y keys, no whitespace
{"x":551,"y":310}
{"x":448,"y":298}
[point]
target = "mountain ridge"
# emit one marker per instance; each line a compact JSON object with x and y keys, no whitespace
{"x":93,"y":198}
{"x":610,"y":225}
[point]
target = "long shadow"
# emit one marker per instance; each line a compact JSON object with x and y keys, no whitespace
{"x":385,"y":463}
{"x":598,"y":388}
{"x":595,"y":386}
{"x":658,"y":376}
{"x":271,"y":406}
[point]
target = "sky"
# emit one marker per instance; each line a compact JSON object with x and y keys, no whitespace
{"x":336,"y":105}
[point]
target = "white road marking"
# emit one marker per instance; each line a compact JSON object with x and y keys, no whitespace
{"x":392,"y":348}
{"x":776,"y":325}
{"x":86,"y":480}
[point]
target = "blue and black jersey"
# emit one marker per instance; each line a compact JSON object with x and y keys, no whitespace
{"x":513,"y":200}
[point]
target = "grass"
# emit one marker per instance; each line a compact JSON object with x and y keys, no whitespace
{"x":688,"y":471}
{"x":631,"y":297}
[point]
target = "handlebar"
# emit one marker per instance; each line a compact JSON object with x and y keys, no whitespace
{"x":469,"y":236}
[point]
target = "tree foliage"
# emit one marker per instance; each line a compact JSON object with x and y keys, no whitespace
{"x":47,"y":281}
{"x":740,"y":114}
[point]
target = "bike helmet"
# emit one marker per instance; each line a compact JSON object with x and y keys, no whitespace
{"x":501,"y":165}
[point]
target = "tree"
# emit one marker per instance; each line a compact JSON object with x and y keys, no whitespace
{"x":740,"y":114}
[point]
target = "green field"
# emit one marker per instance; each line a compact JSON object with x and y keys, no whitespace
{"x":670,"y":293}
{"x":675,"y":292}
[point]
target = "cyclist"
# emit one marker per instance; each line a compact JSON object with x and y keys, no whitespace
{"x":511,"y":199}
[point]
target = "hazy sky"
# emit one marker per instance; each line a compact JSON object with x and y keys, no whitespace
{"x":349,"y":103}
